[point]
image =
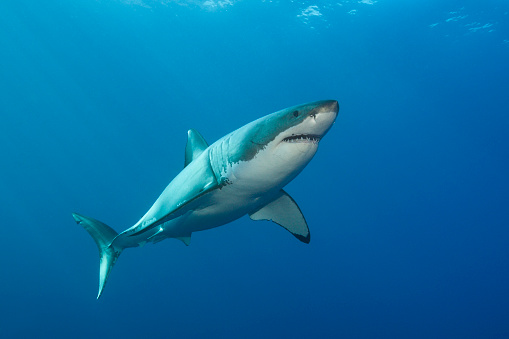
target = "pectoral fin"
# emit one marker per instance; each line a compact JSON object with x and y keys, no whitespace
{"x":285,"y":212}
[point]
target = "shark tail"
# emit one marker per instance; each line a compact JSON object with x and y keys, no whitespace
{"x":103,"y":236}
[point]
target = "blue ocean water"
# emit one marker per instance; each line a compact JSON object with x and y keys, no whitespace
{"x":406,"y":199}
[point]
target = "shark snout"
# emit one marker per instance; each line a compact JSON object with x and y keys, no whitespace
{"x":327,"y":110}
{"x":328,"y":106}
{"x":324,"y":115}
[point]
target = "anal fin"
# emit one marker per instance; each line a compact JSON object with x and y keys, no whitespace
{"x":186,"y":240}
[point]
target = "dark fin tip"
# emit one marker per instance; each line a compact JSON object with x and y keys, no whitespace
{"x":304,"y":239}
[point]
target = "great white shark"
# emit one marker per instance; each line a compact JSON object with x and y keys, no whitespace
{"x":242,"y":173}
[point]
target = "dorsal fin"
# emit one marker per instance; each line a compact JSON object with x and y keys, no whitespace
{"x":283,"y":210}
{"x":195,"y":146}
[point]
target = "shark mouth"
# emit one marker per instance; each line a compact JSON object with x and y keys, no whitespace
{"x":303,"y":138}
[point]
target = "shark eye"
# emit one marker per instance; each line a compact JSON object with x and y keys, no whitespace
{"x":295,"y":113}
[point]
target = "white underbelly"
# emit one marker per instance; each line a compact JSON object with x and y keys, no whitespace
{"x":220,"y":207}
{"x":214,"y":209}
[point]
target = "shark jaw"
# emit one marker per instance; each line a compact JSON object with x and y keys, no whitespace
{"x":303,"y":138}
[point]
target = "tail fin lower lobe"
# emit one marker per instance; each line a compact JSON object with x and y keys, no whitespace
{"x":103,"y":236}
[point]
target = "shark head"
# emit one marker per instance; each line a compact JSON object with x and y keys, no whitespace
{"x":271,"y":151}
{"x":300,"y":128}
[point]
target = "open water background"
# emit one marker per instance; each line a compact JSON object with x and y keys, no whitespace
{"x":406,"y":199}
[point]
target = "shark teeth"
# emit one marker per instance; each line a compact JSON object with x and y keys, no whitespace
{"x":302,"y":138}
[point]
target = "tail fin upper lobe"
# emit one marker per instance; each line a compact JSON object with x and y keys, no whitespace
{"x":103,"y":236}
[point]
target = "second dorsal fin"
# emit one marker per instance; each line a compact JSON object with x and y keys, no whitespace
{"x":195,"y":146}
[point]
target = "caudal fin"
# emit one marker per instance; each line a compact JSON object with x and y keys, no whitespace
{"x":103,"y":236}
